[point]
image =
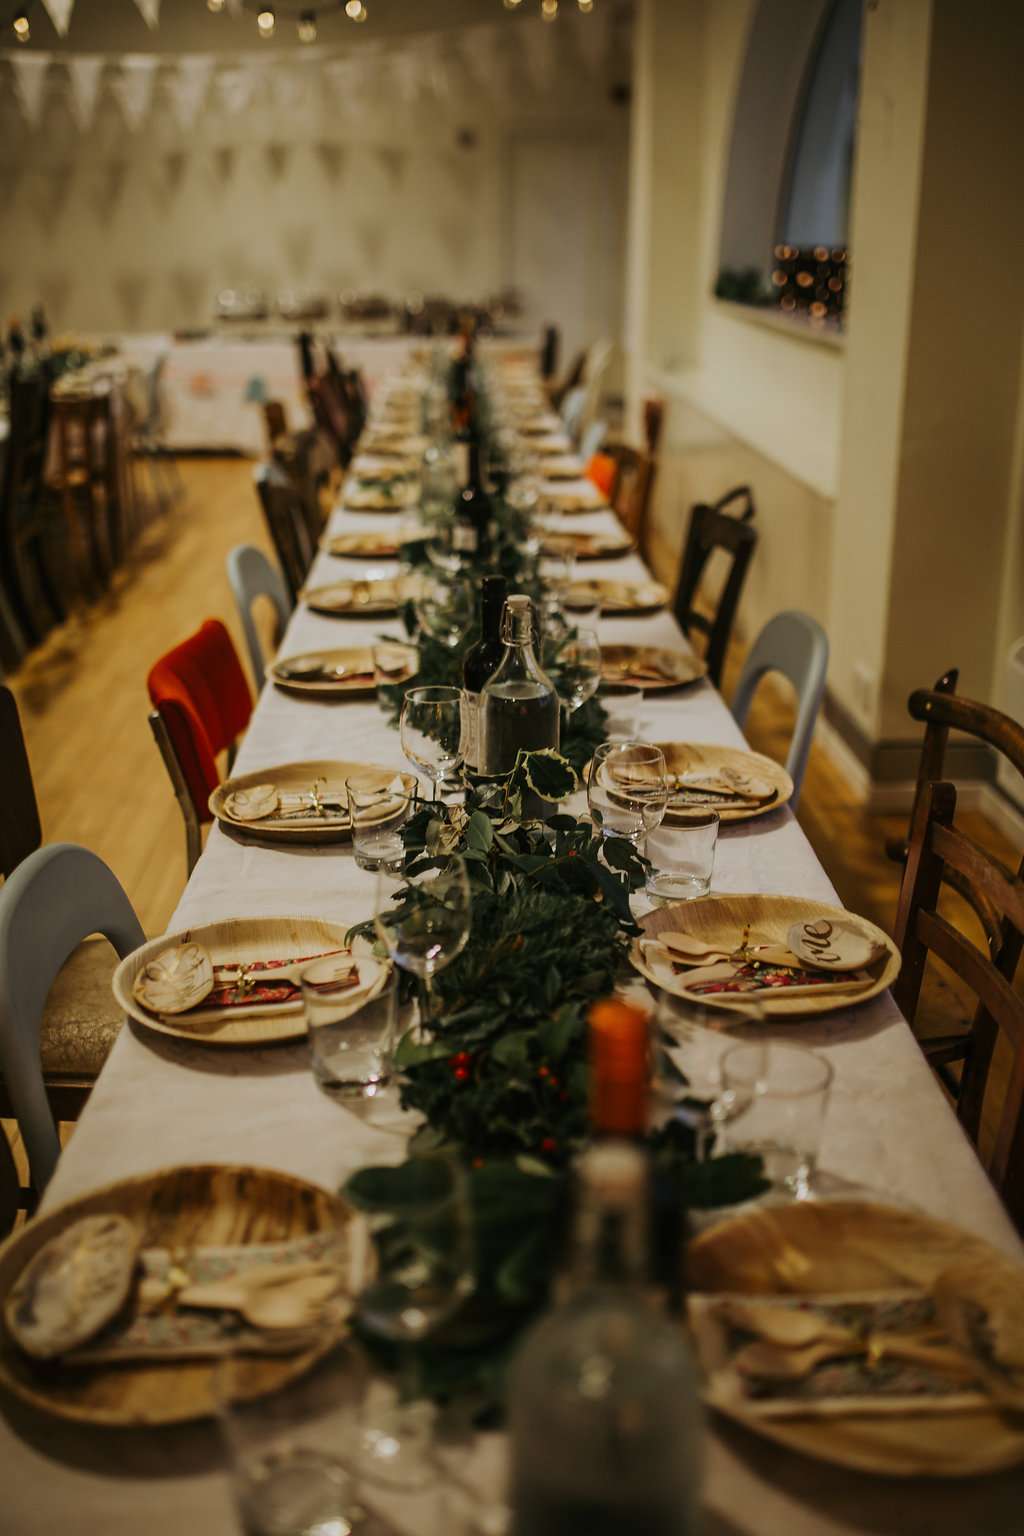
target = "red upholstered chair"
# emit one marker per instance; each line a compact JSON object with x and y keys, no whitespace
{"x":201,"y":704}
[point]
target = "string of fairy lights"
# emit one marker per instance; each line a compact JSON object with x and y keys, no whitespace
{"x":307,"y":18}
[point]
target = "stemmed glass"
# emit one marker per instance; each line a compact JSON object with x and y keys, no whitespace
{"x":627,"y":791}
{"x":576,"y":671}
{"x":431,"y":923}
{"x":424,"y":1271}
{"x":433,"y":730}
{"x":445,"y":610}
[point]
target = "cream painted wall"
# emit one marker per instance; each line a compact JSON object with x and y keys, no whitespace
{"x":120,"y":231}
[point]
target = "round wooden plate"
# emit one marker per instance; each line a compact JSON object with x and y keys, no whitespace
{"x":360,"y":597}
{"x":722,"y":919}
{"x":677,"y":668}
{"x":373,"y":499}
{"x":694,"y":757}
{"x":568,"y":502}
{"x":359,"y":659}
{"x":176,"y":1208}
{"x":834,"y":1247}
{"x":244,"y":939}
{"x":363,"y":546}
{"x":587,"y":546}
{"x":616,"y":597}
{"x":298,"y":777}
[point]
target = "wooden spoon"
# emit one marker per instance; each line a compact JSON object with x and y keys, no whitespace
{"x":778,"y":1364}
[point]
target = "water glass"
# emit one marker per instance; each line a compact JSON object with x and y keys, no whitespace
{"x":773,"y":1102}
{"x":627,"y":790}
{"x":287,"y":1449}
{"x":683,"y":856}
{"x":378,"y":813}
{"x":351,"y":1030}
{"x":622,"y":705}
{"x":691,"y":1040}
{"x":433,"y":731}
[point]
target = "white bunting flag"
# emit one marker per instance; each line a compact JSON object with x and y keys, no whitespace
{"x":188,"y":87}
{"x":237,"y":85}
{"x":59,"y":12}
{"x":31,"y":71}
{"x":538,"y":42}
{"x":482,"y":51}
{"x":149,"y":10}
{"x":85,"y":72}
{"x":134,"y":87}
{"x":405,"y":74}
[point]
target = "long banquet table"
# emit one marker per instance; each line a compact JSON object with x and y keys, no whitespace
{"x":160,"y":1103}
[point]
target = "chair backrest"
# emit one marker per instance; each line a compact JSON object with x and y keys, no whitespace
{"x":275,"y":420}
{"x":20,"y":832}
{"x":286,"y":523}
{"x":200,"y":693}
{"x":592,"y":439}
{"x":631,"y":490}
{"x":937,"y":851}
{"x":573,"y":378}
{"x":251,"y":576}
{"x":654,"y":420}
{"x":571,"y":410}
{"x":56,"y":898}
{"x":549,"y":352}
{"x":796,"y":645}
{"x":713,"y":528}
{"x":25,"y":450}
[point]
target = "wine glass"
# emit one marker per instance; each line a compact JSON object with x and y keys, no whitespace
{"x":445,"y":610}
{"x":433,"y":732}
{"x":691,"y":1040}
{"x":430,"y":925}
{"x":424,"y":1270}
{"x":576,"y":671}
{"x":627,"y":791}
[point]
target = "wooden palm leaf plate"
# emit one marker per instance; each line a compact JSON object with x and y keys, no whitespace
{"x":298,"y":778}
{"x":616,"y":597}
{"x":354,"y":666}
{"x":849,"y":1246}
{"x":356,"y":598}
{"x":721,"y":920}
{"x":588,"y":546}
{"x":178,"y":1208}
{"x":650,"y":667}
{"x":694,"y":759}
{"x":363,"y":546}
{"x":241,"y":940}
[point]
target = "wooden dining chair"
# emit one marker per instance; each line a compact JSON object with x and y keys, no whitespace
{"x":80,"y":1022}
{"x":631,"y":491}
{"x":56,"y":898}
{"x":287,"y":522}
{"x":29,"y":528}
{"x":937,"y":850}
{"x":715,"y":528}
{"x":201,"y":705}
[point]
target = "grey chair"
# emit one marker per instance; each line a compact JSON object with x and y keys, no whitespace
{"x":252,"y":576}
{"x":56,"y":897}
{"x":796,"y":645}
{"x":592,"y":440}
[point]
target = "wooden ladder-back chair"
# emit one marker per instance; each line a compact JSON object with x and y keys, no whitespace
{"x":632,"y":485}
{"x":25,"y":518}
{"x":287,"y":522}
{"x":938,"y":849}
{"x":711,"y":528}
{"x":201,"y":705}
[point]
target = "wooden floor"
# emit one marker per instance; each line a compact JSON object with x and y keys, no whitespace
{"x":100,"y":781}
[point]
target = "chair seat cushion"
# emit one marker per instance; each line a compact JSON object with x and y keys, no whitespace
{"x":81,"y":1021}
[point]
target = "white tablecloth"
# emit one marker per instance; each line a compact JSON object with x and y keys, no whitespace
{"x":159,"y":1102}
{"x":213,"y":389}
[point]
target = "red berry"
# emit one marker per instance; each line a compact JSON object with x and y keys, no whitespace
{"x":461,"y":1074}
{"x":460,"y":1059}
{"x":478,"y":1162}
{"x":549,"y":1144}
{"x":543,"y":1071}
{"x":552,"y":1081}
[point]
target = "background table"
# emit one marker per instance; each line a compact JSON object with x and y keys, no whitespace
{"x":161,"y":1102}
